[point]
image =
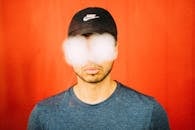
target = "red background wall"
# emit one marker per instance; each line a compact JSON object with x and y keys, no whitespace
{"x":155,"y":54}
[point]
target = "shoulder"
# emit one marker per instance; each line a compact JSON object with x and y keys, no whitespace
{"x":55,"y":99}
{"x":145,"y":104}
{"x":44,"y":109}
{"x":131,"y":96}
{"x":49,"y":105}
{"x":53,"y":102}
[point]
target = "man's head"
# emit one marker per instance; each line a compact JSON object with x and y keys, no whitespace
{"x":91,"y":44}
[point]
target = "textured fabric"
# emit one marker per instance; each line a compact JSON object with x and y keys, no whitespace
{"x":125,"y":109}
{"x":92,"y":20}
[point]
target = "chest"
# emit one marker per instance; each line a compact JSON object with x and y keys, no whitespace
{"x":111,"y":117}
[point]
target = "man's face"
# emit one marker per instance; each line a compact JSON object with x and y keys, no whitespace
{"x":91,"y":57}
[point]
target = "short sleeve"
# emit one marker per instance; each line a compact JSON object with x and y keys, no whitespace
{"x":159,"y":119}
{"x":34,"y":120}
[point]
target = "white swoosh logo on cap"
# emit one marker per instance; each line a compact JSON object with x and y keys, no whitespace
{"x":90,"y":16}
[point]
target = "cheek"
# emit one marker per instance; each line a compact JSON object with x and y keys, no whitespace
{"x":77,"y":69}
{"x":108,"y":65}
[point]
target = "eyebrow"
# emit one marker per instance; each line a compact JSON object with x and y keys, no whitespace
{"x":87,"y":34}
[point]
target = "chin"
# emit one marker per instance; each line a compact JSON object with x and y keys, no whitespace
{"x":93,"y":78}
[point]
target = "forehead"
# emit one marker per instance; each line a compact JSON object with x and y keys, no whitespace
{"x":91,"y":38}
{"x":88,"y":35}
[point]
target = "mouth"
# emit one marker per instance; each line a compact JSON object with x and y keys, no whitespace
{"x":91,"y":70}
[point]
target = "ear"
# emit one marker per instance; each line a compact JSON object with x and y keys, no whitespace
{"x":116,"y":50}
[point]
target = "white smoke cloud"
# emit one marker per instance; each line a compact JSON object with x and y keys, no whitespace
{"x":75,"y":50}
{"x":97,"y":48}
{"x":102,"y":48}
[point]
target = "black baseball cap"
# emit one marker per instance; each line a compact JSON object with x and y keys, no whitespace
{"x":92,"y":20}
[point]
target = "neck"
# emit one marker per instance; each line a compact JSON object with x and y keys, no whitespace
{"x":93,"y":93}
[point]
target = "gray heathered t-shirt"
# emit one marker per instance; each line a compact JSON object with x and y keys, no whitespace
{"x":125,"y":109}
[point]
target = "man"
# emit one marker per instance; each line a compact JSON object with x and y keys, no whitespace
{"x":96,"y":102}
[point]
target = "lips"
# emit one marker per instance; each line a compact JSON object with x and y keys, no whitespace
{"x":91,"y":70}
